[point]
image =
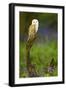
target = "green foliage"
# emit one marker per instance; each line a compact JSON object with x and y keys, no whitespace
{"x":45,"y":20}
{"x":40,"y":55}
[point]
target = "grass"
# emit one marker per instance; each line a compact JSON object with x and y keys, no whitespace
{"x":40,"y":55}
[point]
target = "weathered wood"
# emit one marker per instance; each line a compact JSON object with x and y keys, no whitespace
{"x":30,"y":67}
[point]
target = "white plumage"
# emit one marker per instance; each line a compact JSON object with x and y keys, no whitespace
{"x":33,"y":28}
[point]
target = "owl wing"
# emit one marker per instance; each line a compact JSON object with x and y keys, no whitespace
{"x":31,"y":32}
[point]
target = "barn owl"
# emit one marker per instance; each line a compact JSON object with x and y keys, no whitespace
{"x":33,"y":28}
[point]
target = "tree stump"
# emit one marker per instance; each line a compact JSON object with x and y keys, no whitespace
{"x":30,"y":68}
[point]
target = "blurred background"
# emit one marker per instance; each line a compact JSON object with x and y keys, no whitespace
{"x":44,"y":50}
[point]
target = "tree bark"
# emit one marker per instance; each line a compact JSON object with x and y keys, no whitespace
{"x":29,"y":44}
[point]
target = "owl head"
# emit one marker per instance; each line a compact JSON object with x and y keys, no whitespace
{"x":36,"y":23}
